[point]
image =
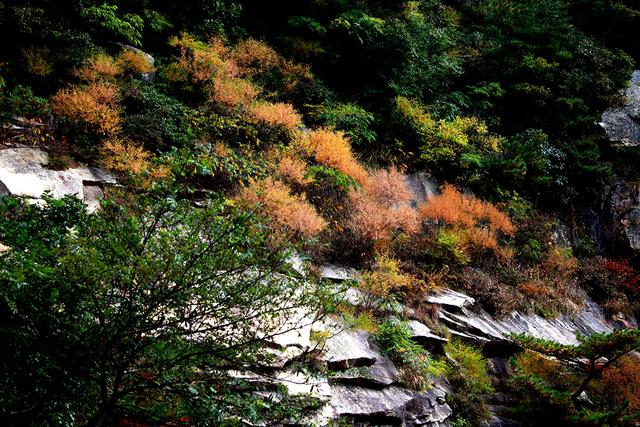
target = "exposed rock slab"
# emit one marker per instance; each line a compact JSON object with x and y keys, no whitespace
{"x":562,"y":329}
{"x":622,"y":123}
{"x":23,"y":173}
{"x":348,"y":348}
{"x":390,"y":406}
{"x":334,"y":272}
{"x":381,"y":374}
{"x":421,"y":334}
{"x":448,"y":297}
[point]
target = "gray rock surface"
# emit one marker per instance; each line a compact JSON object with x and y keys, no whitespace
{"x":622,"y":123}
{"x":477,"y":322}
{"x":619,"y":224}
{"x":347,"y":348}
{"x":390,"y":406}
{"x":23,"y":173}
{"x":421,"y":334}
{"x":448,"y":297}
{"x":334,"y":272}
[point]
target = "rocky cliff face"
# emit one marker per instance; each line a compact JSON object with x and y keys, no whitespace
{"x":359,"y":384}
{"x":622,"y":123}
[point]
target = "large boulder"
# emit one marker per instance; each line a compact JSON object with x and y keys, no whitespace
{"x":622,"y":123}
{"x":390,"y":406}
{"x":24,"y":173}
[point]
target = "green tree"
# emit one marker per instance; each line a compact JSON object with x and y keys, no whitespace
{"x":138,"y":313}
{"x":563,"y":393}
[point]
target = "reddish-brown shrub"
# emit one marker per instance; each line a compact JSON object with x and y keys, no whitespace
{"x":278,"y":114}
{"x":480,"y":221}
{"x":98,"y":67}
{"x":609,"y":282}
{"x":621,"y":382}
{"x":94,"y":105}
{"x":629,"y":277}
{"x":254,"y":57}
{"x":201,"y":61}
{"x":332,"y":148}
{"x":289,"y":212}
{"x":234,"y":92}
{"x":292,"y":170}
{"x":134,"y":61}
{"x":381,"y":207}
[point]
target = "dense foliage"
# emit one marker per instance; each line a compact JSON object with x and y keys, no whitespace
{"x":137,"y":313}
{"x":240,"y":128}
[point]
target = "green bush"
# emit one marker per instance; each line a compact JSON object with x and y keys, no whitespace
{"x":353,"y":120}
{"x":156,"y":119}
{"x":467,"y":373}
{"x":417,"y":368}
{"x":123,"y":315}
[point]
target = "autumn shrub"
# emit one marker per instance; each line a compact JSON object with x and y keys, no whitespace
{"x":124,"y":156}
{"x":135,"y":62}
{"x":261,"y":63}
{"x":290,"y":213}
{"x":332,"y":149}
{"x":38,"y":61}
{"x":199,"y":62}
{"x":489,"y":290}
{"x":254,"y":57}
{"x":386,"y":282}
{"x":292,"y":169}
{"x":479,"y":223}
{"x":382,"y":206}
{"x":91,"y":107}
{"x":98,"y":67}
{"x":620,"y":383}
{"x":612,"y":283}
{"x":276,"y":114}
{"x":551,"y":286}
{"x":234,"y":92}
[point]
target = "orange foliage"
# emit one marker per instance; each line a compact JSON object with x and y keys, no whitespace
{"x":481,"y":221}
{"x":98,"y":67}
{"x":134,"y":61}
{"x":292,"y":169}
{"x":535,"y":289}
{"x":289,"y":212}
{"x":94,"y":105}
{"x":201,"y":61}
{"x":253,"y":57}
{"x":278,"y":114}
{"x":124,"y":156}
{"x":389,"y":187}
{"x":382,"y":206}
{"x":622,"y":381}
{"x":234,"y":92}
{"x":332,"y":148}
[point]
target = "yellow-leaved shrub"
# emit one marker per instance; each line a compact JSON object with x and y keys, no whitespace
{"x":290,"y":213}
